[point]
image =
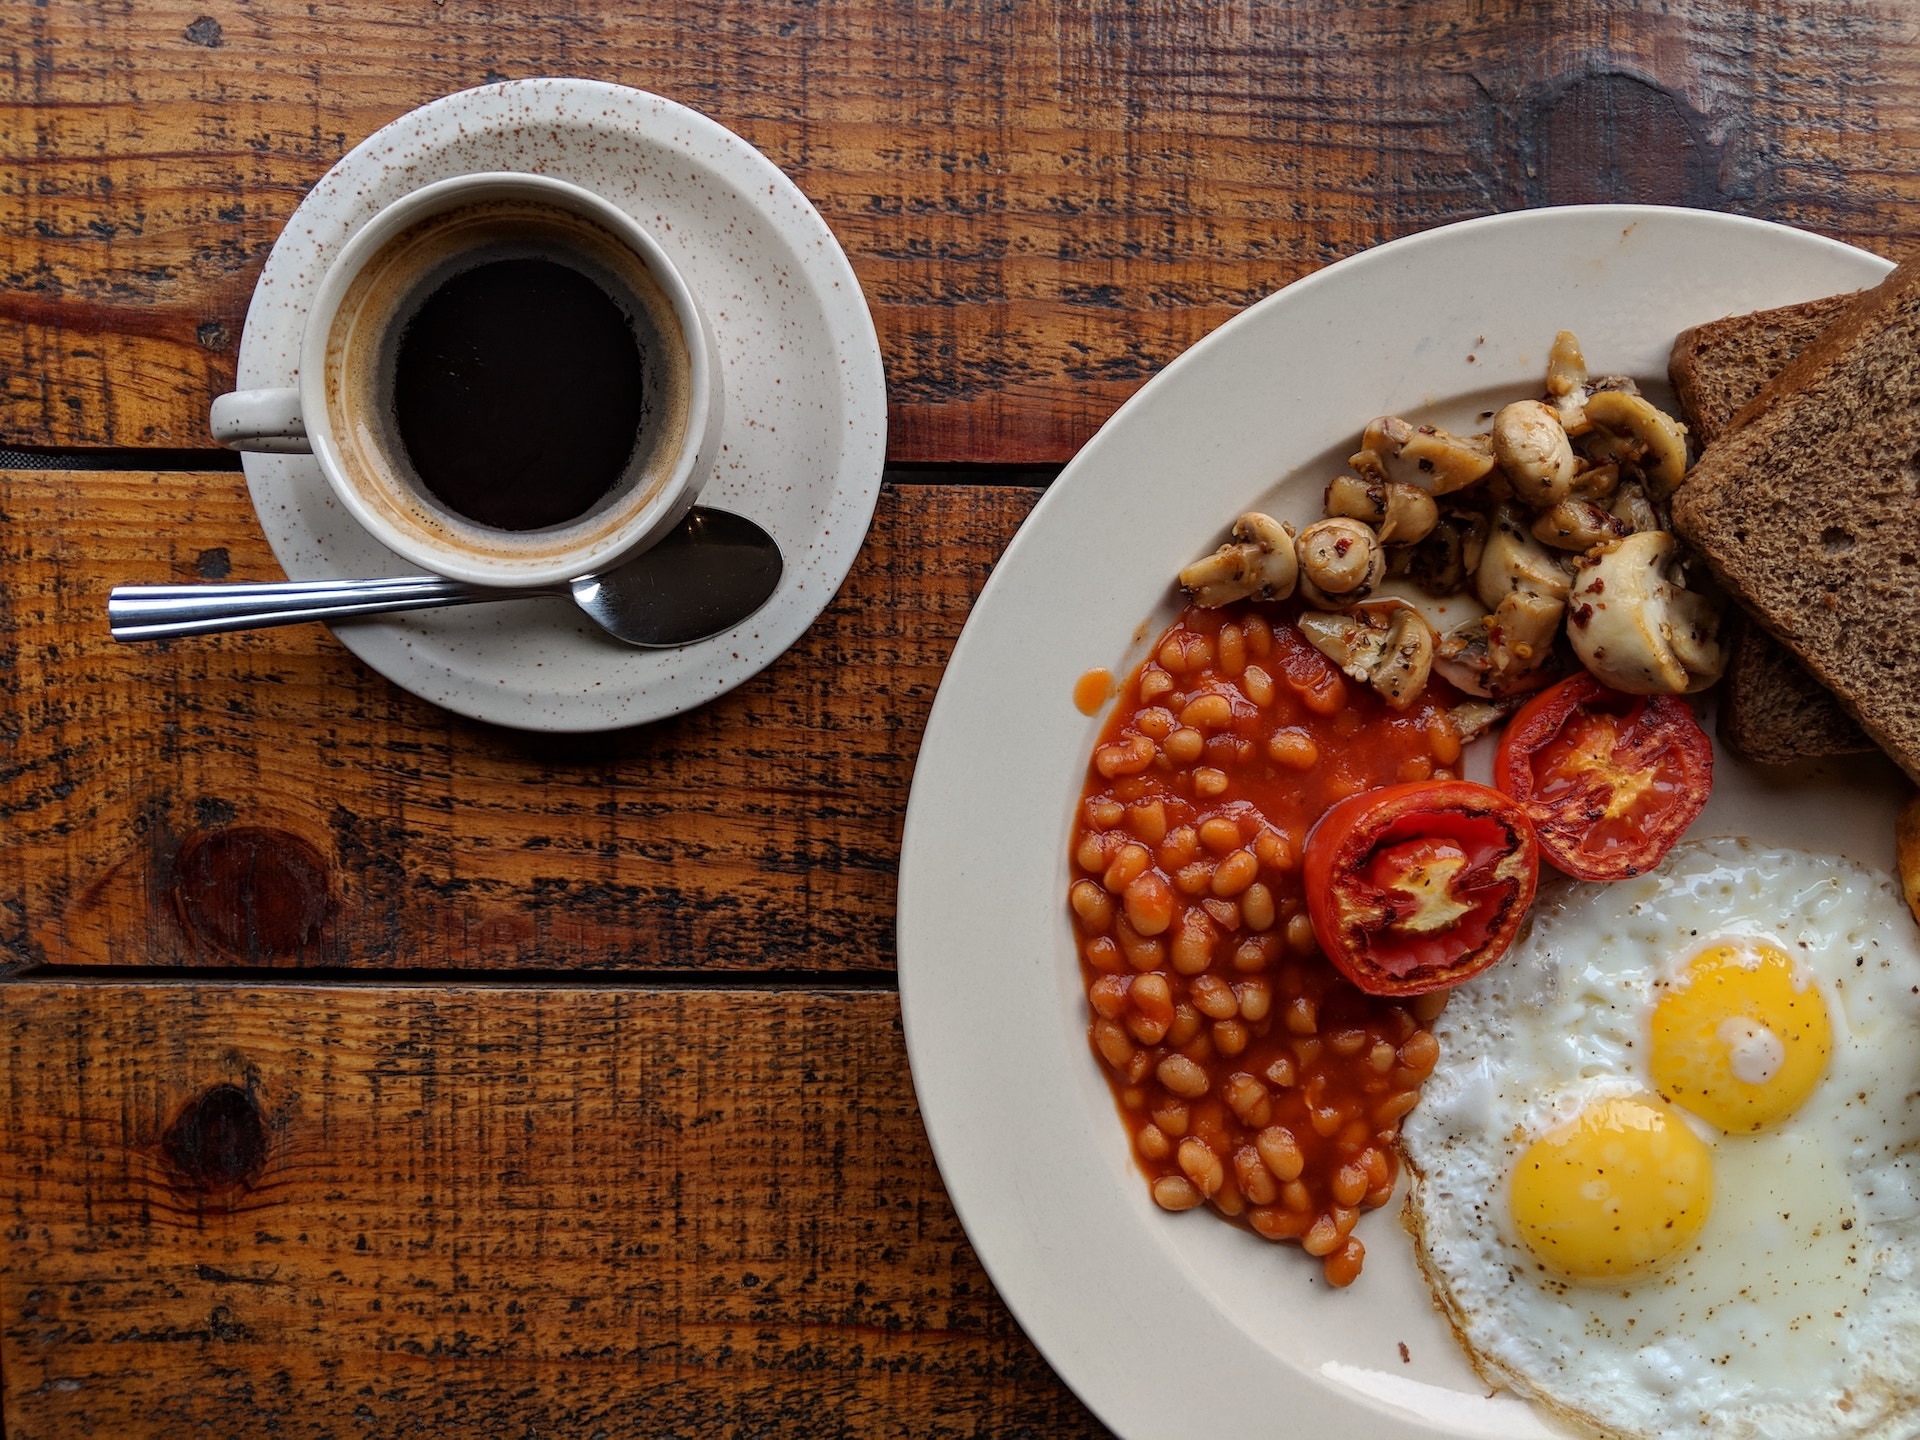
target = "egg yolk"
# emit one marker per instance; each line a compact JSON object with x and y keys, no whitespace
{"x":1739,"y":1039}
{"x":1618,"y":1190}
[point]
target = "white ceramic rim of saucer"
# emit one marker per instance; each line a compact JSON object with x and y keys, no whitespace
{"x":798,"y":320}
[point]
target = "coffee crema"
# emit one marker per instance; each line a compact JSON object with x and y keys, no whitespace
{"x":507,"y":376}
{"x":519,"y":392}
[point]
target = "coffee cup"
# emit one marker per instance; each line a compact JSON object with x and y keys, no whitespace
{"x":504,"y":379}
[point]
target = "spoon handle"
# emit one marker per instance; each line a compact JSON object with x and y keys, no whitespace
{"x":166,"y":612}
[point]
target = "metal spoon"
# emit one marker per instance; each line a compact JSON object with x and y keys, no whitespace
{"x":712,"y":571}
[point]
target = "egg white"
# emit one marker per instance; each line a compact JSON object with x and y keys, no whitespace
{"x":1796,"y":1311}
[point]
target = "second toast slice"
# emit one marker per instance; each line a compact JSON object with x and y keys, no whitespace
{"x":1808,"y":510}
{"x":1771,"y":709}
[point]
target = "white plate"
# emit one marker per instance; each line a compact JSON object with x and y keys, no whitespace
{"x":1179,"y":1325}
{"x":805,"y":430}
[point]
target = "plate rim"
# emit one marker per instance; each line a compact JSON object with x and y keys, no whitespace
{"x":1076,"y":1368}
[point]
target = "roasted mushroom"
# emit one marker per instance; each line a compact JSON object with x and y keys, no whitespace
{"x":1632,"y":508}
{"x":1577,"y":525}
{"x":1386,"y":646}
{"x":1534,"y":453}
{"x":1596,"y":482}
{"x":1340,"y":563}
{"x":1524,"y":589}
{"x":1637,"y":627}
{"x":1261,"y":564}
{"x":1441,"y":612}
{"x":1507,"y":652}
{"x":1520,"y":634}
{"x":1567,"y":383}
{"x":1630,"y":430}
{"x":1403,"y":514}
{"x":1513,"y":560}
{"x":1471,"y":719}
{"x":1443,"y":562}
{"x":1424,"y":456}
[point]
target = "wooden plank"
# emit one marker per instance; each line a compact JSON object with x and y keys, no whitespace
{"x":1044,"y":202}
{"x":517,"y":1210}
{"x":265,"y":798}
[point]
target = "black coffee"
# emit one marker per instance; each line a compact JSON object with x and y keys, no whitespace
{"x":519,"y":393}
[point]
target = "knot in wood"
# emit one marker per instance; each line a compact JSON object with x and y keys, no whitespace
{"x":218,"y":1142}
{"x":1612,"y":137}
{"x":251,"y":892}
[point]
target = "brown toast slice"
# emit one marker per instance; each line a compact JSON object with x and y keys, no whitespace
{"x":1771,"y":709}
{"x":1716,"y":368}
{"x":1808,"y":510}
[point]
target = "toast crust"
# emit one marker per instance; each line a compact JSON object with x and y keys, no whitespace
{"x":1717,"y":367}
{"x":1774,"y":713}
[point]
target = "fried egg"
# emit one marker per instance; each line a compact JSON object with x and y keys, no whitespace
{"x":1665,"y":1175}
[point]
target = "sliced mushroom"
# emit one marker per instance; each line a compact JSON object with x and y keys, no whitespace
{"x":1403,"y":513}
{"x":1493,"y":657}
{"x":1596,"y":482}
{"x":1622,"y":384}
{"x":1632,"y":508}
{"x":1411,"y":515}
{"x":1524,"y":589}
{"x":1442,"y":563}
{"x":1631,"y":430}
{"x":1577,"y":525}
{"x":1425,"y":456}
{"x":1475,"y":527}
{"x":1637,"y":627}
{"x":1406,"y":660}
{"x":1262,"y":564}
{"x":1460,"y":657}
{"x":1356,"y":498}
{"x":1514,"y":560}
{"x":1340,"y":562}
{"x":1567,"y":383}
{"x":1368,"y":463}
{"x":1386,"y":646}
{"x":1436,"y":564}
{"x":1534,"y":452}
{"x":1471,"y":719}
{"x":1520,"y":635}
{"x":1694,"y":633}
{"x":1441,"y":612}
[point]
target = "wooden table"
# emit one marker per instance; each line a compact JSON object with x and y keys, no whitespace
{"x":373,"y":1072}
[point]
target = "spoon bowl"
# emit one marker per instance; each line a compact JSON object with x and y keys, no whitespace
{"x":712,"y":571}
{"x":708,"y":574}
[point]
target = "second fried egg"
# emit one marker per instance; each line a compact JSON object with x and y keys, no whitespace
{"x":1664,"y":1174}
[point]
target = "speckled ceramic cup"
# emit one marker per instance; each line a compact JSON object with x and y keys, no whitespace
{"x":342,"y":412}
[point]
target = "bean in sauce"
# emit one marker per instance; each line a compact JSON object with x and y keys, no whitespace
{"x":1251,"y":1076}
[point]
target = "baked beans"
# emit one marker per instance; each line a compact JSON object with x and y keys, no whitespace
{"x":1252,"y":1077}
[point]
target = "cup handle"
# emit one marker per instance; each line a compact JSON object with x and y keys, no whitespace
{"x":264,"y":421}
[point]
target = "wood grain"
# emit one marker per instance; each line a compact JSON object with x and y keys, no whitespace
{"x":264,"y":798}
{"x":1044,"y":202}
{"x":313,"y":1212}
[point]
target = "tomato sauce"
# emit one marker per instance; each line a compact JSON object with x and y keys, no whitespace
{"x":1091,"y":690}
{"x":1250,"y":1075}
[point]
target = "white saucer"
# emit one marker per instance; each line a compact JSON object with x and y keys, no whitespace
{"x":805,"y":430}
